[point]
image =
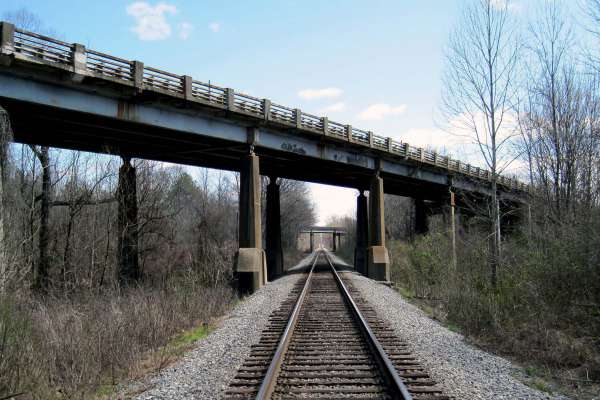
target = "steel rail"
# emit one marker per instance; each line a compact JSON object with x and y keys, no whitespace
{"x":390,"y":375}
{"x":268,"y":384}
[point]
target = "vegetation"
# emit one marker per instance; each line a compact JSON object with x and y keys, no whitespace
{"x":543,"y":311}
{"x":86,"y":329}
{"x":530,"y":290}
{"x":74,"y":319}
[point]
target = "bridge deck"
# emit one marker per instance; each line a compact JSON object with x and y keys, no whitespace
{"x":65,"y":95}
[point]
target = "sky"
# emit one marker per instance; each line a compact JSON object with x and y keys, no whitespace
{"x":374,"y":64}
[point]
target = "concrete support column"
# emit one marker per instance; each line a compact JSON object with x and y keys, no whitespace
{"x":378,"y":264}
{"x":362,"y":233}
{"x":312,"y":241}
{"x":250,"y":260}
{"x":453,"y":229}
{"x":127,"y":224}
{"x":7,"y":38}
{"x":273,"y":240}
{"x":334,"y":243}
{"x":421,"y":223}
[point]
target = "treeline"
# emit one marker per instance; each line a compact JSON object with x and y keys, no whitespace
{"x":527,"y":91}
{"x":69,"y":324}
{"x":185,"y":223}
{"x":105,"y":260}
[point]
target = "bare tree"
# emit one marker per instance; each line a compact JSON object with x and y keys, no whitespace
{"x":297,"y":211}
{"x":558,"y":116}
{"x":5,"y":138}
{"x":478,"y":92}
{"x":25,"y":19}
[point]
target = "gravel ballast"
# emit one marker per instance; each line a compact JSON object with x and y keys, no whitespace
{"x":461,"y":369}
{"x":205,"y":371}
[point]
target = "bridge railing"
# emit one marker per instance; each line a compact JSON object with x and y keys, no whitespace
{"x":76,"y":58}
{"x":109,"y":66}
{"x":42,"y":47}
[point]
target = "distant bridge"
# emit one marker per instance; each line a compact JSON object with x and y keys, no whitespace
{"x":64,"y":95}
{"x":336,"y":232}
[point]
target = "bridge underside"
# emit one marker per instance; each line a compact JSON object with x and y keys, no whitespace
{"x":60,"y":109}
{"x":67,"y":129}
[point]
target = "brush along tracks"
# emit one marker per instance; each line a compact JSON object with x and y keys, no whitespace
{"x":325,"y":342}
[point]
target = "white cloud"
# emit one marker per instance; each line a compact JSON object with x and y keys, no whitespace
{"x":214,"y":26}
{"x":380,"y":111}
{"x":325,"y":93}
{"x":185,"y":30}
{"x":151,"y":21}
{"x":508,"y":4}
{"x":335,"y":107}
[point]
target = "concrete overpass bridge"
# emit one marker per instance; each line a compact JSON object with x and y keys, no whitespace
{"x":64,"y":95}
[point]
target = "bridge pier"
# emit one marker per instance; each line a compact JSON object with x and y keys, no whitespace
{"x":127,"y":224}
{"x":274,"y":250}
{"x":312,"y":241}
{"x":453,"y":261}
{"x":334,"y":245}
{"x":250,"y":260}
{"x":378,"y":260}
{"x":362,"y":233}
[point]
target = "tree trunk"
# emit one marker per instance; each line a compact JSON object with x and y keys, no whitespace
{"x":5,"y":137}
{"x":66,"y":267}
{"x":41,"y":278}
{"x":3,"y":253}
{"x":495,"y":239}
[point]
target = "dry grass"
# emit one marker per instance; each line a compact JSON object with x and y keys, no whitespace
{"x":542,"y":313}
{"x":57,"y":348}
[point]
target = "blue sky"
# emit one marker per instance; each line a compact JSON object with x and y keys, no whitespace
{"x":375,"y":64}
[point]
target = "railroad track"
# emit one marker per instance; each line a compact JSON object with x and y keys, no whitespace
{"x":325,"y":342}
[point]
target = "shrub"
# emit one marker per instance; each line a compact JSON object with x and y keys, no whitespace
{"x":60,"y":347}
